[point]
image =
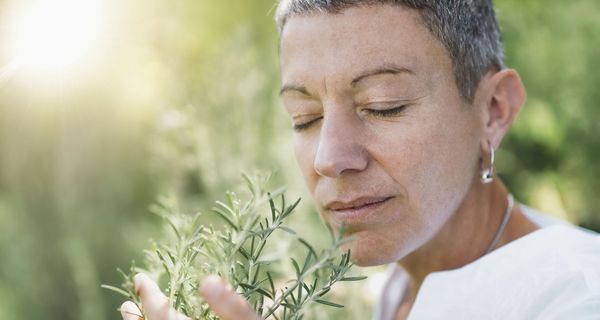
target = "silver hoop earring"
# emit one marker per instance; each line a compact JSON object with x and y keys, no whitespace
{"x":487,"y":174}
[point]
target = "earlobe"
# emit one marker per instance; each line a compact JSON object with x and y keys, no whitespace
{"x":505,"y":97}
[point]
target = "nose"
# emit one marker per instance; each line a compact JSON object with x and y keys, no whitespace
{"x":340,"y":149}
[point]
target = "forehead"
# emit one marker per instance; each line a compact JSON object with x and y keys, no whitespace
{"x":325,"y":44}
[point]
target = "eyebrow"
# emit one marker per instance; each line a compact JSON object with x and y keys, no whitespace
{"x":385,"y":69}
{"x":292,"y":87}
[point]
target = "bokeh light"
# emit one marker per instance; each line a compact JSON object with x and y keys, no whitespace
{"x":54,"y":38}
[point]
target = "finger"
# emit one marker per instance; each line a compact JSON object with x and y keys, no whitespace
{"x":129,"y":311}
{"x":224,"y":301}
{"x":155,"y":303}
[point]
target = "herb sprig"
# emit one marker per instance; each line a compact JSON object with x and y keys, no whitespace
{"x":237,"y":251}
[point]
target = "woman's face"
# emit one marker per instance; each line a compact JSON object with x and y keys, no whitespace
{"x":385,"y":142}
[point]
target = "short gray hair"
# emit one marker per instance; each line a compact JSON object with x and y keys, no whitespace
{"x":467,"y":28}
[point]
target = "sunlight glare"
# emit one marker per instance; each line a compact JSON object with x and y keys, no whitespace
{"x":53,"y":38}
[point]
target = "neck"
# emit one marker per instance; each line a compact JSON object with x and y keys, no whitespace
{"x":467,"y":234}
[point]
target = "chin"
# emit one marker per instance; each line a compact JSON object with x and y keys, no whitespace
{"x":368,"y":259}
{"x":362,"y":261}
{"x":368,"y":253}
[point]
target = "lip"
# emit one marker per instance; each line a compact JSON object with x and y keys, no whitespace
{"x":356,"y":211}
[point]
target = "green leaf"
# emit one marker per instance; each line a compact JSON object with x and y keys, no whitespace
{"x":225,"y":218}
{"x":244,"y":253}
{"x":307,"y":261}
{"x":290,"y":209}
{"x":307,"y":245}
{"x":353,"y":278}
{"x":272,"y":207}
{"x":296,"y":267}
{"x":117,"y":290}
{"x":329,"y":303}
{"x":287,"y":229}
{"x":173,"y":227}
{"x":271,"y":284}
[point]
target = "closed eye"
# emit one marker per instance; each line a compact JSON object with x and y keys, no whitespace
{"x":303,"y":126}
{"x":391,"y":112}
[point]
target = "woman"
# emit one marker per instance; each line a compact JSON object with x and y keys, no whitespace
{"x":398,"y":108}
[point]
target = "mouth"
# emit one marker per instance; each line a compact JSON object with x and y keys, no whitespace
{"x":357,"y":211}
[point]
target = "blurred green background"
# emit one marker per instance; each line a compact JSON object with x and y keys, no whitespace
{"x":116,"y":102}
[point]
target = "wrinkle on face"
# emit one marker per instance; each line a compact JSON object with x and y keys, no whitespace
{"x":426,"y":157}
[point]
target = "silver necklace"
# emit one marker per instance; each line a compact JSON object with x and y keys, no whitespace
{"x":505,"y":218}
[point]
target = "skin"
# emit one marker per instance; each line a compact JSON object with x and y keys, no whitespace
{"x":381,"y":129}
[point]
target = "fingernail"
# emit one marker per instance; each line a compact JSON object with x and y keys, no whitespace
{"x":129,"y":311}
{"x":212,"y":287}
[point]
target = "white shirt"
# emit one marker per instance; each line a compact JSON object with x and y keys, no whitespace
{"x":551,"y":273}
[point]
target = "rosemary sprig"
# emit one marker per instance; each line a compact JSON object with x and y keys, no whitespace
{"x":236,"y":251}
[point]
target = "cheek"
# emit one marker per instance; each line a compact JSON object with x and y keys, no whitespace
{"x":434,"y":162}
{"x":305,"y":150}
{"x":434,"y":166}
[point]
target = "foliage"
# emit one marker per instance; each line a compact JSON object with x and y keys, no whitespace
{"x":237,"y":253}
{"x":550,"y":157}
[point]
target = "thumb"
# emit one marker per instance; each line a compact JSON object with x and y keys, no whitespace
{"x":224,"y":301}
{"x":156,"y":304}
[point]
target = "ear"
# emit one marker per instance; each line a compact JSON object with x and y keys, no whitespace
{"x":500,"y":96}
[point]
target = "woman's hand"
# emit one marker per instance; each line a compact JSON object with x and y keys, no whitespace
{"x":221,"y":298}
